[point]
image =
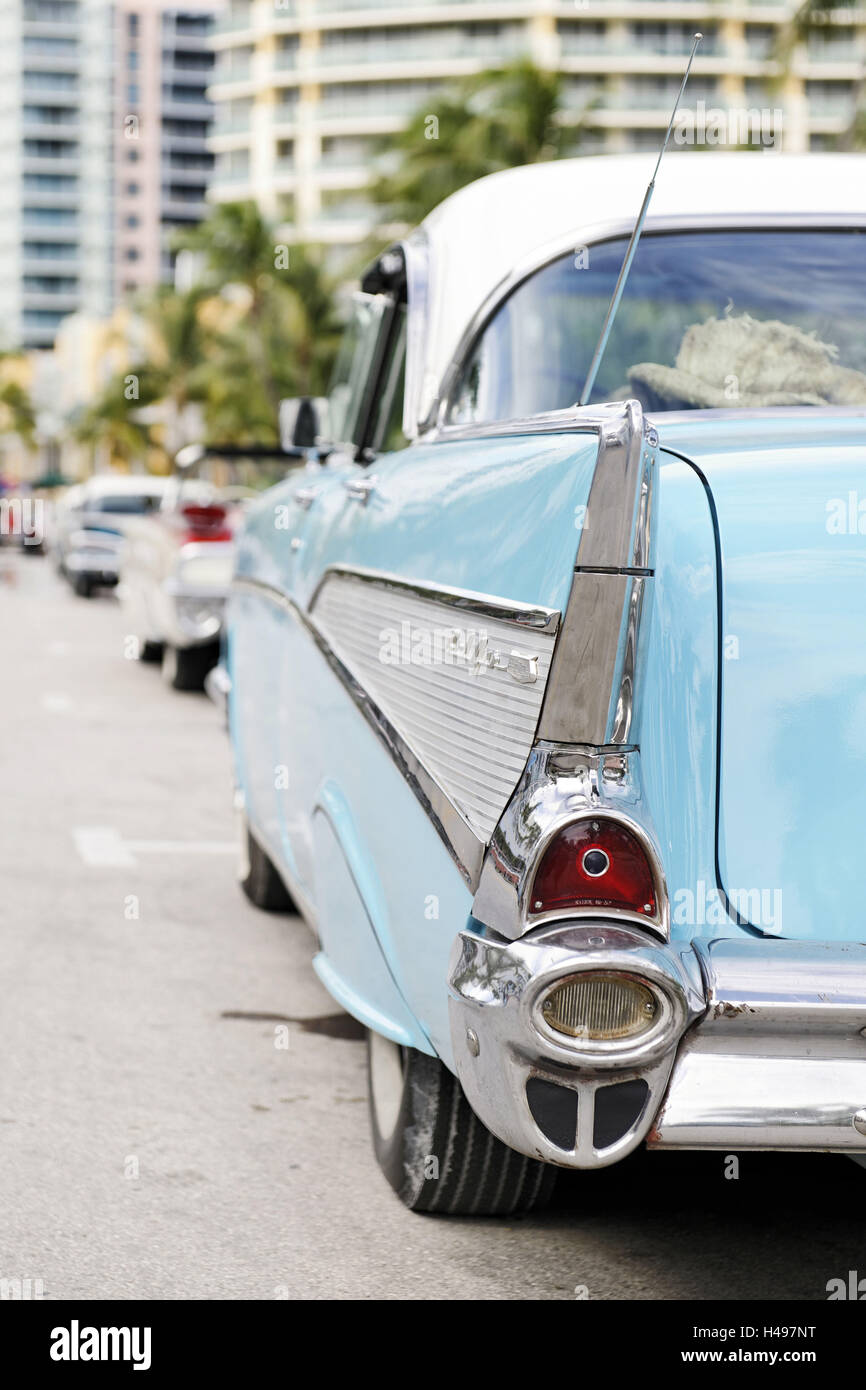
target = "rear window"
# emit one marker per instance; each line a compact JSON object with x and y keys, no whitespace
{"x":130,"y":504}
{"x":708,"y":319}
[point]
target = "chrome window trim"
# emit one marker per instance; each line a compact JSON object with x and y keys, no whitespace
{"x":435,"y":428}
{"x":464,"y":845}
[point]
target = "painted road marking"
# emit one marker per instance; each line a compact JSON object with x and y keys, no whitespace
{"x":102,"y":847}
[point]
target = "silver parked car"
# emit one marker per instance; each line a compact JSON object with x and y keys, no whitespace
{"x":91,"y":523}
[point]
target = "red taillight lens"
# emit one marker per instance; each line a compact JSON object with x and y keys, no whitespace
{"x":206,"y":523}
{"x":594,"y":863}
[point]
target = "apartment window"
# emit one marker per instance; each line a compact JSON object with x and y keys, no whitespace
{"x":50,"y":115}
{"x":132,"y":60}
{"x":57,"y":81}
{"x":830,"y":98}
{"x":132,"y":93}
{"x":41,"y":318}
{"x":48,"y":47}
{"x":185,"y":130}
{"x":189,"y":62}
{"x":50,"y":217}
{"x":50,"y":12}
{"x":132,"y":220}
{"x":181,"y":159}
{"x":50,"y":284}
{"x":131,"y":189}
{"x":132,"y":25}
{"x":760,"y":40}
{"x":671,"y":39}
{"x":49,"y":183}
{"x":190,"y":25}
{"x":49,"y":250}
{"x":588,"y":37}
{"x":345,"y":151}
{"x":49,"y":149}
{"x":132,"y":156}
{"x":131,"y":253}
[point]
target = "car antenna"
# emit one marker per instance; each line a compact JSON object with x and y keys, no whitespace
{"x":632,"y":246}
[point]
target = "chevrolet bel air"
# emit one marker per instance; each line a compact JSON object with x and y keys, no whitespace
{"x":551,"y":718}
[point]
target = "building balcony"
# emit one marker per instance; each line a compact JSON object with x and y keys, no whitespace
{"x":423,"y":52}
{"x":62,"y":302}
{"x":225,"y":74}
{"x":231,"y":125}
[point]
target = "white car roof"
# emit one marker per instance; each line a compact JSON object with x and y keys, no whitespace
{"x":112,"y":484}
{"x":478,"y":236}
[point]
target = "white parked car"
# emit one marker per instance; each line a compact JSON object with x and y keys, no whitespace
{"x":176,"y":572}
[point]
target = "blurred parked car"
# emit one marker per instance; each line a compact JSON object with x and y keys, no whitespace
{"x":177,"y":568}
{"x":90,"y":523}
{"x":542,"y":713}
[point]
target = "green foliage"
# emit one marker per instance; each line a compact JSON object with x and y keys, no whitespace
{"x":493,"y":120}
{"x":817,"y":17}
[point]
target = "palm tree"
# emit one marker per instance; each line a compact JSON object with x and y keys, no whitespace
{"x":109,"y":425}
{"x":17,"y":415}
{"x":286,"y":331}
{"x":490,"y":121}
{"x":816,"y":17}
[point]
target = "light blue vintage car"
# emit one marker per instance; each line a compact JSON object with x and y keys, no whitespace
{"x":551,"y":720}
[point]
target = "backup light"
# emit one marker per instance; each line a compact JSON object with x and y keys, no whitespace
{"x":599,"y":1007}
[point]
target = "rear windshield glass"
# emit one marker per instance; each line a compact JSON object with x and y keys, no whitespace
{"x":131,"y":504}
{"x":709,"y":319}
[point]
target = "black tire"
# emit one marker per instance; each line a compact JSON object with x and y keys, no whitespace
{"x":150,"y":651}
{"x":184,"y":668}
{"x":82,"y":586}
{"x":438,"y":1156}
{"x":262,"y":884}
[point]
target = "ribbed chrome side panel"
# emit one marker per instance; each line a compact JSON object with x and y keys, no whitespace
{"x":426,"y":663}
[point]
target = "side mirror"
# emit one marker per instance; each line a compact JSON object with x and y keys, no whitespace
{"x":303,"y":422}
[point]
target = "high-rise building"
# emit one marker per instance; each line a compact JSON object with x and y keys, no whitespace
{"x":303,"y":87}
{"x":55,"y":165}
{"x":103,"y":125}
{"x":163,"y":64}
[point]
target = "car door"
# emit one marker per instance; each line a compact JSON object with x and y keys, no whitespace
{"x":430,"y":579}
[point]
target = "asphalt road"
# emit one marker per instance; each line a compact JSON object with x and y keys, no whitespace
{"x":155,"y":1143}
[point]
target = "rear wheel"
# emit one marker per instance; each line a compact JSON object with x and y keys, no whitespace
{"x":432,"y":1147}
{"x":82,"y":586}
{"x":184,"y":668}
{"x":149,"y":651}
{"x":259,"y":879}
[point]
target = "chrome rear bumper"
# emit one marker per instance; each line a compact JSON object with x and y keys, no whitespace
{"x":763,"y":1045}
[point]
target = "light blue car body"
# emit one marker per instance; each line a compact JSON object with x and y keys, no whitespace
{"x":750,"y":535}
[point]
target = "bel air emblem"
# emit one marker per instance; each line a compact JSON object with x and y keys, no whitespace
{"x":523,"y":669}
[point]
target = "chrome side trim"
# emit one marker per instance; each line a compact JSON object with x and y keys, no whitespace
{"x":461,"y":841}
{"x":463,"y":600}
{"x":559,"y":786}
{"x":494,"y":993}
